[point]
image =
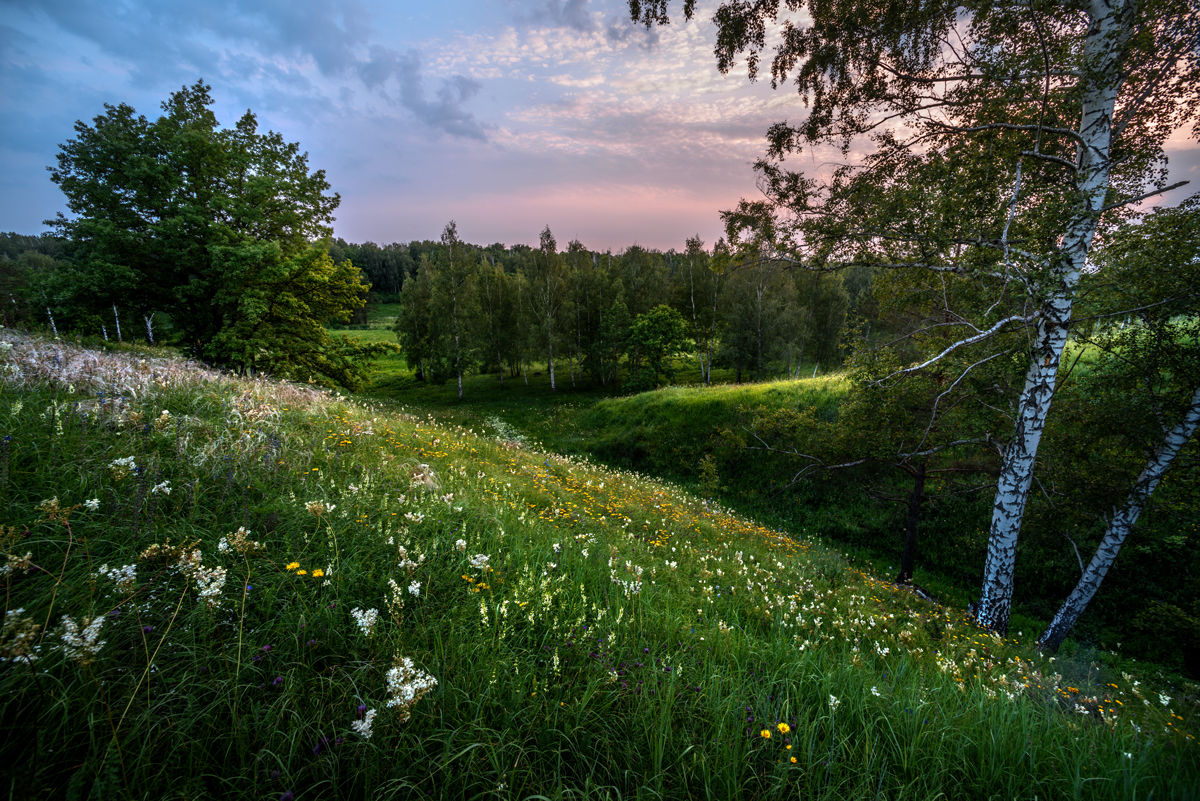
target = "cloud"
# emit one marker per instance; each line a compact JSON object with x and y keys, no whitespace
{"x":569,"y":14}
{"x":445,"y":112}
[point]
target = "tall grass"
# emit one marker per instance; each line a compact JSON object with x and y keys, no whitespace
{"x":591,"y":633}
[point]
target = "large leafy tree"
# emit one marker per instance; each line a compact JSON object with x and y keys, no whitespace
{"x":223,"y":230}
{"x":996,"y":137}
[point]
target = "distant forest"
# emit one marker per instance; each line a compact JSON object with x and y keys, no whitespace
{"x":576,"y":309}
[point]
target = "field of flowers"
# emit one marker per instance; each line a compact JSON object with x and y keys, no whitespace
{"x":223,"y":587}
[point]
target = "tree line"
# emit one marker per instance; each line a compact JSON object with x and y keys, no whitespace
{"x":615,"y":318}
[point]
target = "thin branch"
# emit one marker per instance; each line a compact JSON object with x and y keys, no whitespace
{"x":1143,"y":197}
{"x":1055,"y":159}
{"x":995,"y":329}
{"x":938,"y":400}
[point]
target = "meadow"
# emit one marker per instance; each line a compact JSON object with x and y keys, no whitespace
{"x":222,"y":587}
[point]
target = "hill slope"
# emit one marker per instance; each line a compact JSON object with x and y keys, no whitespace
{"x":249,"y":589}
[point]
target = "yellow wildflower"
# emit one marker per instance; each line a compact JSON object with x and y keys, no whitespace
{"x":783,"y":728}
{"x":301,"y":572}
{"x":793,"y":760}
{"x":766,"y":734}
{"x":318,"y":573}
{"x":292,"y":566}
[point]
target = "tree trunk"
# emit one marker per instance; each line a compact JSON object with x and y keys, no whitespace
{"x":500,"y":362}
{"x":915,"y":499}
{"x":1119,"y":527}
{"x":1106,"y":38}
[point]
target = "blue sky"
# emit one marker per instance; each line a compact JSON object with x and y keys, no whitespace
{"x":506,"y":115}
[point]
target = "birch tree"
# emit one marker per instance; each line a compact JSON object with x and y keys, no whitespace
{"x":455,"y":300}
{"x":1144,"y":397}
{"x":997,"y":138}
{"x":547,"y":293}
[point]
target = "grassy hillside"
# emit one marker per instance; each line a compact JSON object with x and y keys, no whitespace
{"x":218,"y":587}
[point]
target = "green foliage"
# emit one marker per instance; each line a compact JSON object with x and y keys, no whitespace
{"x":654,"y":340}
{"x":223,"y":230}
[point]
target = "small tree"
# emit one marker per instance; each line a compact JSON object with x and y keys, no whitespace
{"x":659,"y":335}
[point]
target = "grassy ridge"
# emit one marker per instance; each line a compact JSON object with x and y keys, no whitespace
{"x":591,"y":632}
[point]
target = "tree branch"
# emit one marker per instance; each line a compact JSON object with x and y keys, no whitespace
{"x":991,"y":332}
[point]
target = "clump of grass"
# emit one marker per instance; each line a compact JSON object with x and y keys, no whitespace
{"x":271,"y":590}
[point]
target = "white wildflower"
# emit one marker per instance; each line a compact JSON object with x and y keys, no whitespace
{"x":162,"y":489}
{"x":124,"y":577}
{"x":407,"y":684}
{"x":833,"y":702}
{"x":92,"y":505}
{"x":415,"y":588}
{"x":479,"y":561}
{"x":460,"y":545}
{"x":122,"y":467}
{"x":1166,"y":699}
{"x":366,"y":621}
{"x":363,"y":727}
{"x":82,"y":646}
{"x":875,"y":692}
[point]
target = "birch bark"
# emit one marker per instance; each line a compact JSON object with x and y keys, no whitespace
{"x":1106,"y":38}
{"x":1119,"y":527}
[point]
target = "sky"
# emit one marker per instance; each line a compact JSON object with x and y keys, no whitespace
{"x":503,"y":115}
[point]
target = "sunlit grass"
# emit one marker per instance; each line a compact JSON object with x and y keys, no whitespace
{"x":591,"y":632}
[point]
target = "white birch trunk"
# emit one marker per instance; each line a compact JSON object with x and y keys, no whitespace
{"x":1102,"y":53}
{"x":1120,"y":526}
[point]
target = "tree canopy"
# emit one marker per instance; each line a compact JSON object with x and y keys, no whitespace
{"x":225,"y":231}
{"x":995,"y":138}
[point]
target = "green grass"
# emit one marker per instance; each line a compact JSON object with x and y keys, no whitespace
{"x":626,"y":639}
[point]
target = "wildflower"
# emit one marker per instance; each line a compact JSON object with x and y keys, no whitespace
{"x":833,"y":702}
{"x":291,"y":566}
{"x":318,"y":508}
{"x":301,"y":572}
{"x":92,"y":505}
{"x":415,"y":588}
{"x":407,"y":684}
{"x":18,"y":642}
{"x":16,"y":563}
{"x":460,"y":545}
{"x":793,"y":760}
{"x":765,"y":734}
{"x":365,"y":619}
{"x":783,"y":728}
{"x":479,"y":561}
{"x":363,"y":727}
{"x":122,"y":467}
{"x":82,"y":645}
{"x":162,"y":489}
{"x":1166,"y":699}
{"x":318,"y":573}
{"x":240,"y":541}
{"x":875,"y":692}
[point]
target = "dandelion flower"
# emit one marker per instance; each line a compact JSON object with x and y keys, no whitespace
{"x":793,"y":760}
